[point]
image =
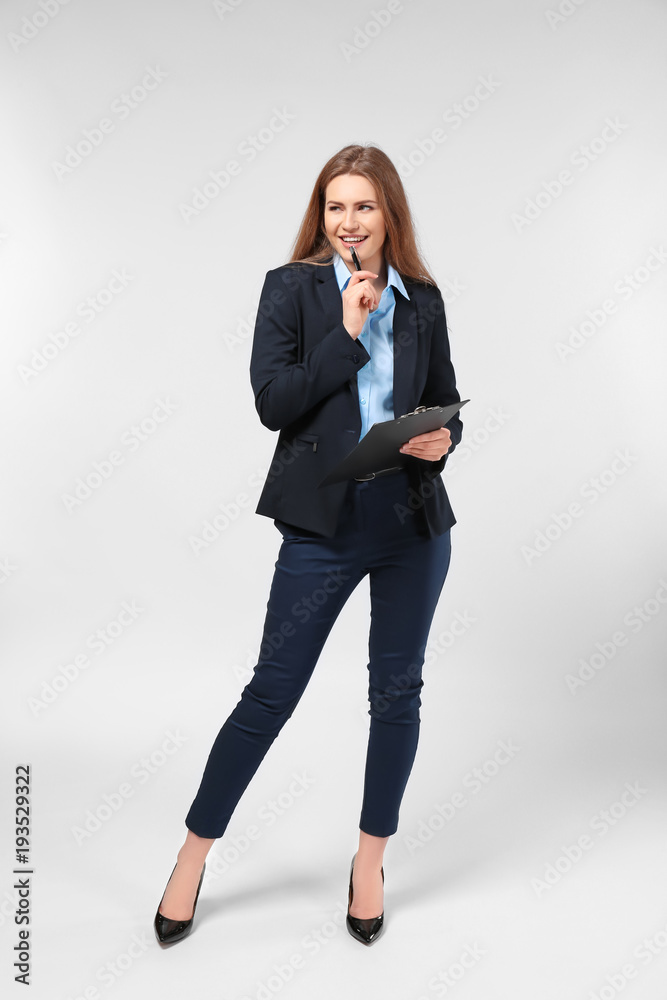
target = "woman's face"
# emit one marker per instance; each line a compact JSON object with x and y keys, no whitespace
{"x":351,"y":208}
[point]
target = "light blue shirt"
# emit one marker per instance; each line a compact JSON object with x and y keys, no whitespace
{"x":375,"y":380}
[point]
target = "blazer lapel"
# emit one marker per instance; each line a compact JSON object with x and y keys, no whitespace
{"x":330,"y":297}
{"x":405,"y":342}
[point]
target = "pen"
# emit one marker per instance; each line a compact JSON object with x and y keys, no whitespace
{"x":355,"y":259}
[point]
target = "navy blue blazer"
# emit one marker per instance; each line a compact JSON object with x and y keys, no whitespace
{"x":303,"y":371}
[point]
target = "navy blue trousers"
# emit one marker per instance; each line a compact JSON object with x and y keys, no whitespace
{"x":314,"y":577}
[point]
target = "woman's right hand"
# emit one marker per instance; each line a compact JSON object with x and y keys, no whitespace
{"x":359,"y":299}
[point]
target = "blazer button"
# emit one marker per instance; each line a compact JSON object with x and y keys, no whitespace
{"x":355,"y":358}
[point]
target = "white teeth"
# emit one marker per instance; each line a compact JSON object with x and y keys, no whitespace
{"x":352,"y":239}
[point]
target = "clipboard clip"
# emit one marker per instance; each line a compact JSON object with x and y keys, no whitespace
{"x":419,"y":409}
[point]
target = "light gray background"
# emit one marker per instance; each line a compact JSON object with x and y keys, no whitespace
{"x":539,"y":431}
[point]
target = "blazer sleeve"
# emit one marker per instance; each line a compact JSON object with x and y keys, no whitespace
{"x":440,"y":388}
{"x":285,"y":387}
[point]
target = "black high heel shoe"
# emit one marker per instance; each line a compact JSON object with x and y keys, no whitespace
{"x":170,"y":931}
{"x":365,"y":930}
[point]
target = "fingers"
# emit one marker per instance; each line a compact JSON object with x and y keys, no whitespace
{"x":360,"y":295}
{"x":441,"y":435}
{"x":431,"y":445}
{"x":430,"y":452}
{"x":368,"y":294}
{"x":363,"y":294}
{"x":362,"y":275}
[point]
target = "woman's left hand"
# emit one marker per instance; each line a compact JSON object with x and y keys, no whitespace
{"x":431,"y":446}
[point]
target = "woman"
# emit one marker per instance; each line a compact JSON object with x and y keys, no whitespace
{"x":335,"y":350}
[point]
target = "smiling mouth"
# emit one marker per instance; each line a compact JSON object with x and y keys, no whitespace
{"x":353,"y":240}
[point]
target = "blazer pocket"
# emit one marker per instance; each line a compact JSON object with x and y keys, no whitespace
{"x":311,"y":439}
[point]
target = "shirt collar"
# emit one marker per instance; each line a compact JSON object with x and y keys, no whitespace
{"x":343,"y":275}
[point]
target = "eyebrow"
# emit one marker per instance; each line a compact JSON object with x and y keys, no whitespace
{"x":364,"y":201}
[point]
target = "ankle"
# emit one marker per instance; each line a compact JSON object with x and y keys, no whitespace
{"x":370,"y":852}
{"x":190,"y":860}
{"x":194,"y":851}
{"x":368,"y":862}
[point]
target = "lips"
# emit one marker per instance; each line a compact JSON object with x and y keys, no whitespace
{"x":355,"y":242}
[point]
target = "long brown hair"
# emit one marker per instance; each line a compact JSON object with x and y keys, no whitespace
{"x":400,"y":248}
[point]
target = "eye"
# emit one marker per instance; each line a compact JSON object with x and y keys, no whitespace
{"x":336,"y":208}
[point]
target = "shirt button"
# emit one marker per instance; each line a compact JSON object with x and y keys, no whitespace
{"x":363,"y":401}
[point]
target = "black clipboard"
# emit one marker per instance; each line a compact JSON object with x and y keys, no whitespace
{"x":378,"y":448}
